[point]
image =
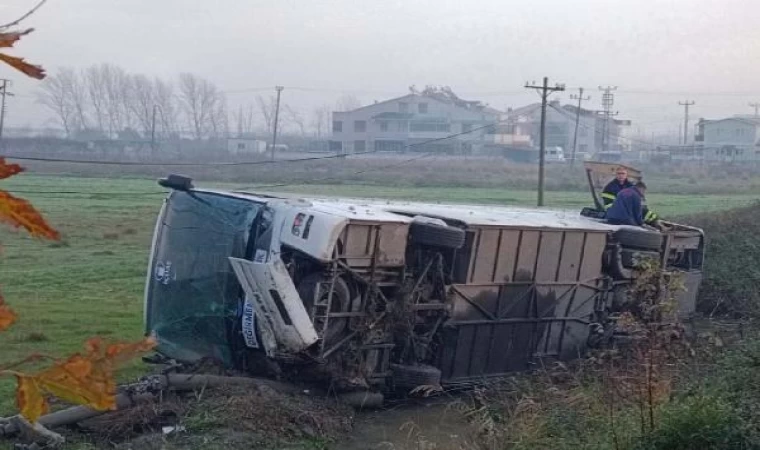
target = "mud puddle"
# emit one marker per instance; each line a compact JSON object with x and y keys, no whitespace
{"x":433,"y":424}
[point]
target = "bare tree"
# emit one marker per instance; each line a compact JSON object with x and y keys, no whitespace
{"x":97,"y":96}
{"x":75,"y":91}
{"x":244,"y":120}
{"x":163,"y":94}
{"x":55,"y":97}
{"x":296,"y":118}
{"x":267,"y":107}
{"x":219,"y":120}
{"x":202,"y":103}
{"x":321,"y":121}
{"x":348,"y":102}
{"x":140,"y":100}
{"x":109,"y":88}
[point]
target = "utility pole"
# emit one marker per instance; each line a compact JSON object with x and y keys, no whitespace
{"x":686,"y":105}
{"x":544,"y":91}
{"x":580,"y":98}
{"x":757,"y":107}
{"x":608,"y":99}
{"x":276,"y":117}
{"x":3,"y":92}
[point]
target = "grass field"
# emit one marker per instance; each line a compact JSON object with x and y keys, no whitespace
{"x":91,"y":282}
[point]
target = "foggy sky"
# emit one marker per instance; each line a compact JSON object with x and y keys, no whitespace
{"x":658,"y":52}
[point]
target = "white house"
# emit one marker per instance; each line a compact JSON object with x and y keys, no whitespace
{"x":412,"y":123}
{"x":560,"y":127}
{"x":246,"y":146}
{"x":733,"y":139}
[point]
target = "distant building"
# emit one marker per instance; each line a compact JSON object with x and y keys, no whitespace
{"x":243,"y":146}
{"x":560,"y":128}
{"x":733,"y":139}
{"x":410,"y":122}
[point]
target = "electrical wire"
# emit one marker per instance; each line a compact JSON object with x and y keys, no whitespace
{"x":180,"y":164}
{"x":568,"y":117}
{"x":237,"y":163}
{"x":125,"y":194}
{"x":387,"y":166}
{"x":312,"y":181}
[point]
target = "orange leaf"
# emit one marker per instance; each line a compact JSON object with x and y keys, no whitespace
{"x":87,"y":379}
{"x":31,"y":402}
{"x":19,"y":64}
{"x":120,"y":353}
{"x":82,"y":381}
{"x":10,"y":38}
{"x":20,"y":213}
{"x":8,"y":170}
{"x":7,"y":317}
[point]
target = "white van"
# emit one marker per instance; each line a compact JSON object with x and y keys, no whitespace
{"x":555,"y":154}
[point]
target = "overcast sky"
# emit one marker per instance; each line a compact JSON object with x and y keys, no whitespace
{"x":656,"y":51}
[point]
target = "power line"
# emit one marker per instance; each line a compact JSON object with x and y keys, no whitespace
{"x":237,"y":163}
{"x":300,"y":182}
{"x":170,"y":164}
{"x":695,"y":93}
{"x":125,"y":194}
{"x":596,"y":130}
{"x":387,"y":166}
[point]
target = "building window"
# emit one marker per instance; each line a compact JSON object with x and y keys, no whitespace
{"x":403,"y":126}
{"x":336,"y":146}
{"x":389,"y":146}
{"x":337,"y":126}
{"x":429,"y":127}
{"x":360,"y":146}
{"x":384,"y":125}
{"x":241,"y":145}
{"x":360,"y":126}
{"x":583,"y":148}
{"x":422,"y":108}
{"x":403,"y":107}
{"x":466,"y":127}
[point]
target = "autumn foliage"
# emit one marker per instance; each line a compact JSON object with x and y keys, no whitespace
{"x":84,"y":378}
{"x":7,"y":316}
{"x":18,"y":212}
{"x":7,"y":40}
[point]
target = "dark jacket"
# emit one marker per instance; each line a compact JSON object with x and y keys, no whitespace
{"x":627,"y":208}
{"x":612,"y":189}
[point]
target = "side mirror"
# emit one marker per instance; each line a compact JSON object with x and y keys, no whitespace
{"x":176,"y":182}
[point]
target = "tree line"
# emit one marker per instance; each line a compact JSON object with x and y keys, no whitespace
{"x":107,"y":101}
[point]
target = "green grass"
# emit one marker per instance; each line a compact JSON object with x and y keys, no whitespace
{"x":91,"y":283}
{"x":666,"y":205}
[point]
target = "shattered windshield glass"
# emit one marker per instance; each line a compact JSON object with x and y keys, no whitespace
{"x":193,"y":295}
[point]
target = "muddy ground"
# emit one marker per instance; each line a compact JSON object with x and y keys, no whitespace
{"x":265,"y":419}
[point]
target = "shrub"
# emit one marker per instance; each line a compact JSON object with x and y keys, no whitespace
{"x":703,"y":421}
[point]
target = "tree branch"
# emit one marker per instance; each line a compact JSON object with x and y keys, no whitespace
{"x":20,"y":19}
